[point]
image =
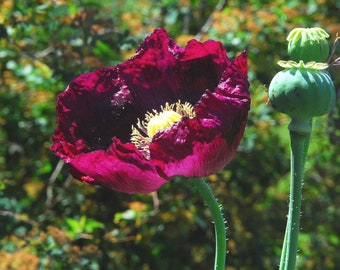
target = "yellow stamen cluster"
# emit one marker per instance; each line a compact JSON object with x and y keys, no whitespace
{"x":155,"y":121}
{"x":162,"y":121}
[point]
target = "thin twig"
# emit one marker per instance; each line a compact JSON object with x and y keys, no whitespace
{"x":44,"y":52}
{"x":205,"y":28}
{"x":19,"y":217}
{"x":155,"y":202}
{"x":337,"y":39}
{"x":51,"y":180}
{"x":67,"y":183}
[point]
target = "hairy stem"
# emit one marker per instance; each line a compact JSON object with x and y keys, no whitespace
{"x":220,"y":229}
{"x":299,"y":148}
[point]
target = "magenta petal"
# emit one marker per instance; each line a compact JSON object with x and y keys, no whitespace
{"x":152,"y":74}
{"x":185,"y":150}
{"x":94,"y":108}
{"x":210,"y":49}
{"x":163,"y":72}
{"x":122,"y":168}
{"x":203,"y":145}
{"x":97,"y":110}
{"x":201,"y":68}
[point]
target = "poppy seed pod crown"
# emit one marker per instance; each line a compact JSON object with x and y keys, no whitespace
{"x":308,"y":44}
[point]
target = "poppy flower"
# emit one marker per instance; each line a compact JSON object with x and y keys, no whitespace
{"x":167,"y":111}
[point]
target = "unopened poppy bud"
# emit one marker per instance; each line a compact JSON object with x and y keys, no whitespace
{"x":302,"y":91}
{"x":308,"y":44}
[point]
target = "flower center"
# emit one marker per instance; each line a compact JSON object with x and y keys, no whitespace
{"x":162,"y":121}
{"x":155,"y":122}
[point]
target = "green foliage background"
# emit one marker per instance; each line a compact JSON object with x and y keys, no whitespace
{"x":50,"y":221}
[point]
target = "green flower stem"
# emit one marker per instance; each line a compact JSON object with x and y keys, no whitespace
{"x":220,"y":229}
{"x":299,"y":148}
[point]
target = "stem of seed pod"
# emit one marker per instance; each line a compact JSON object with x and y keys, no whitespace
{"x":220,"y":229}
{"x":299,"y":148}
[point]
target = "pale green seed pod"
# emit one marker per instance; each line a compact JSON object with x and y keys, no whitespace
{"x":302,"y":91}
{"x":308,"y":44}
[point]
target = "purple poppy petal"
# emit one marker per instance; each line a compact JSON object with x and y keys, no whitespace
{"x":163,"y":72}
{"x":202,"y":65}
{"x":152,"y":74}
{"x":203,"y":145}
{"x":94,"y":108}
{"x":122,"y":168}
{"x":97,"y":110}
